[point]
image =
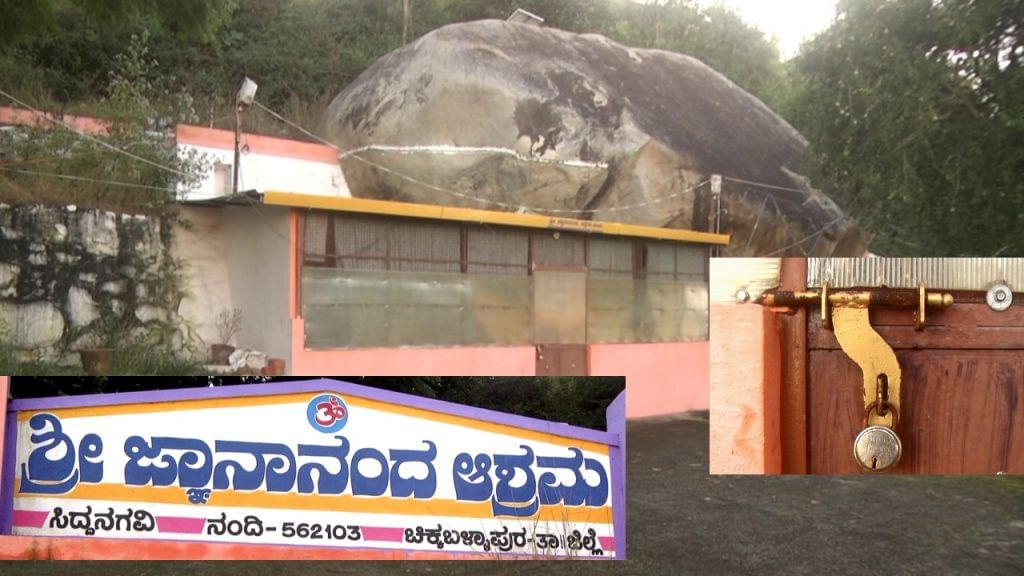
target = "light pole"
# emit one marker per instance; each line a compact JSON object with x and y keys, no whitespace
{"x":244,"y":98}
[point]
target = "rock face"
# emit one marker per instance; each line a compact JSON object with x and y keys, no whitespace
{"x":63,"y":269}
{"x":507,"y":116}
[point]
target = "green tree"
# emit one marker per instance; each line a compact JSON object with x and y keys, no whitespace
{"x":141,"y":106}
{"x":191,"y":18}
{"x":914,"y":111}
{"x":715,"y":35}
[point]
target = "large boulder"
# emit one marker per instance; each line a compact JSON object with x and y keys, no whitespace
{"x":507,"y":116}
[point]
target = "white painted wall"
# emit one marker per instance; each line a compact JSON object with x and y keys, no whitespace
{"x":256,"y":255}
{"x":237,"y":257}
{"x":200,"y":247}
{"x":262,"y":172}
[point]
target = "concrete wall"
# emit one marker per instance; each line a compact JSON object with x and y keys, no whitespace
{"x":266,"y":163}
{"x":661,"y":378}
{"x":257,"y":252}
{"x":200,"y":247}
{"x":746,"y":371}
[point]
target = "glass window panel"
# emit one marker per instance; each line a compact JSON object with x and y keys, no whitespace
{"x":611,"y":258}
{"x":352,"y":309}
{"x":499,"y":310}
{"x":560,"y":307}
{"x":691,"y":262}
{"x":611,"y":310}
{"x":661,"y":261}
{"x":660,"y":311}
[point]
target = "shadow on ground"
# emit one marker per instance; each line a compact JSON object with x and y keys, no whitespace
{"x":681,"y":520}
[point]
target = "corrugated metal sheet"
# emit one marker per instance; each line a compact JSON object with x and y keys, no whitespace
{"x":940,"y":273}
{"x":755,"y":275}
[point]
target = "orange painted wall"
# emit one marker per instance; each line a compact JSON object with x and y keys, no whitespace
{"x":746,"y":372}
{"x":20,"y":117}
{"x":661,"y":378}
{"x":64,"y":548}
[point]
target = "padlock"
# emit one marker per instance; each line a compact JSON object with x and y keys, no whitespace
{"x":877,"y":448}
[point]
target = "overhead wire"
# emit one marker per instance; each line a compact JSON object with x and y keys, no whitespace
{"x":82,"y":179}
{"x":517,"y":207}
{"x":92,"y":138}
{"x":355,"y":154}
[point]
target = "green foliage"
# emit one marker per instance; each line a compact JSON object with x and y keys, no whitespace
{"x":576,"y":400}
{"x":139,"y":357}
{"x":915,"y":117}
{"x":715,"y":35}
{"x":193,"y":19}
{"x":304,"y":52}
{"x":141,"y":105}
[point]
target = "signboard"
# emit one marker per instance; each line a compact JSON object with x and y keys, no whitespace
{"x":315,"y":463}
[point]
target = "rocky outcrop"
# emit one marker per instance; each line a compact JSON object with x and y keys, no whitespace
{"x":515,"y":117}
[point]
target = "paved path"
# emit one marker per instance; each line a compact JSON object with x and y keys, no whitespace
{"x":683,"y":521}
{"x":682,"y":518}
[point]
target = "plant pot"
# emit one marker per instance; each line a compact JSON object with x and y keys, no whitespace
{"x":220,"y":353}
{"x":276,"y":366}
{"x":97,"y":361}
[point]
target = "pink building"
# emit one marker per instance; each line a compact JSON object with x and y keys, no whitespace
{"x":334,"y":284}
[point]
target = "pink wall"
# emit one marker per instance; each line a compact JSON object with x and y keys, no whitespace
{"x":661,"y":378}
{"x":482,"y":361}
{"x":745,"y":380}
{"x":82,"y":548}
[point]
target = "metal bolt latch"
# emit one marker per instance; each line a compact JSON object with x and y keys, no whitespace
{"x":846,"y":312}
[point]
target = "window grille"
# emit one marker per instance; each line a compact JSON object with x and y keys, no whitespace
{"x":379,"y":281}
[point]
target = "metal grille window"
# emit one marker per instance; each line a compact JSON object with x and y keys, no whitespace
{"x":501,"y":251}
{"x":610,"y":258}
{"x":425,"y":247}
{"x":668,"y":262}
{"x":315,"y":239}
{"x":380,"y":281}
{"x":360,"y":243}
{"x":559,"y":249}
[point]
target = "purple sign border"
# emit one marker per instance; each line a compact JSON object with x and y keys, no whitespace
{"x":615,"y":437}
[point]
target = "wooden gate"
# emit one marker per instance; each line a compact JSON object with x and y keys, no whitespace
{"x":962,"y":405}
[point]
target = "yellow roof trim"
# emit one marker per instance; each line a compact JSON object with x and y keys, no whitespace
{"x":412,"y":210}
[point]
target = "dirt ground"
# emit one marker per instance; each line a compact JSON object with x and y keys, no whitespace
{"x":683,"y":521}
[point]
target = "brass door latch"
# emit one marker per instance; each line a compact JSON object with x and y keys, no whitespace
{"x":877,"y":448}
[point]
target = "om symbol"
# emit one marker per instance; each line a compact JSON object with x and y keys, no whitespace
{"x":327,"y":413}
{"x":198,"y":495}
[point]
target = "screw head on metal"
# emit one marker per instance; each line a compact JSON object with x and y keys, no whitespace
{"x":999,"y":297}
{"x":742,"y":296}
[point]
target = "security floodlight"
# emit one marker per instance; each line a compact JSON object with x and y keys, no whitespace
{"x":245,"y":97}
{"x":247,"y":93}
